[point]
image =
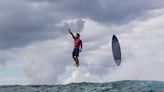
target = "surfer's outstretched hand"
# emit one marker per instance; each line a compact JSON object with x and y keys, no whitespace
{"x":69,"y":30}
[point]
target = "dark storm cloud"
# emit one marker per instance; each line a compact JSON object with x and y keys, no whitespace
{"x":110,"y":11}
{"x":22,"y":23}
{"x":26,"y":21}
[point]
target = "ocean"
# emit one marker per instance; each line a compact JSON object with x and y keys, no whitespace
{"x":118,"y":86}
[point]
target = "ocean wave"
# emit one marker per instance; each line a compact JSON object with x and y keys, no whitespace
{"x":118,"y":86}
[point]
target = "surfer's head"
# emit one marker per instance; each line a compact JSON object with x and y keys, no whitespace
{"x":77,"y":35}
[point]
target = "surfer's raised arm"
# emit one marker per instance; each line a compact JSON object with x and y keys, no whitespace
{"x":71,"y":33}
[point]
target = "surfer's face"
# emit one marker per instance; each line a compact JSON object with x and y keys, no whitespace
{"x":77,"y":35}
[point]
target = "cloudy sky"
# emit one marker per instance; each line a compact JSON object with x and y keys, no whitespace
{"x":35,"y":46}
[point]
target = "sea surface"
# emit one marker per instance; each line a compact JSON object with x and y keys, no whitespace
{"x":118,"y":86}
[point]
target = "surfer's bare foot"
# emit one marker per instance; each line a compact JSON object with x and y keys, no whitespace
{"x":77,"y":65}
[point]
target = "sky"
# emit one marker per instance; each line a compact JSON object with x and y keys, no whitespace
{"x":36,"y":47}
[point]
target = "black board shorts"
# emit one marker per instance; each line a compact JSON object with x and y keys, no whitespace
{"x":75,"y":52}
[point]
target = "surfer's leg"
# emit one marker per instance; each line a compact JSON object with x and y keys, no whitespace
{"x":74,"y":56}
{"x":77,"y":60}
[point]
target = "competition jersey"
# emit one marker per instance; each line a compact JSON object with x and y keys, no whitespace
{"x":77,"y":43}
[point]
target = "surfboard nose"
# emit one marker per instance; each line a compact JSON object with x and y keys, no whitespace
{"x":114,"y":38}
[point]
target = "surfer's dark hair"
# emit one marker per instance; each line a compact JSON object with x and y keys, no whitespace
{"x":78,"y":34}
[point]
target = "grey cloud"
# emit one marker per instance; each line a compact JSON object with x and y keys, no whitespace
{"x":21,"y":25}
{"x":107,"y":11}
{"x":26,"y":21}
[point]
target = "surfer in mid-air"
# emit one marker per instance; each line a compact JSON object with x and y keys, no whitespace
{"x":77,"y":47}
